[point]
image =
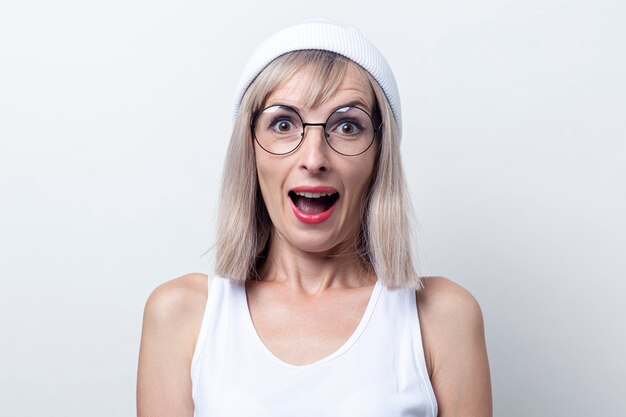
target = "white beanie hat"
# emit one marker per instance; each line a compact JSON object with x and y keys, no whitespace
{"x":323,"y":35}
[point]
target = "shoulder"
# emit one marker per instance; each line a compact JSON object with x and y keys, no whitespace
{"x":453,"y":336}
{"x":171,"y":323}
{"x":178,"y":296}
{"x":178,"y":305}
{"x":446,"y":302}
{"x":449,"y":314}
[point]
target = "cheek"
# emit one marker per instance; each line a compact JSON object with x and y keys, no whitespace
{"x":269,"y":180}
{"x":264,"y":182}
{"x":360,"y":180}
{"x":366,"y":173}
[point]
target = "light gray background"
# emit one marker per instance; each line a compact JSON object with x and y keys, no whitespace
{"x":114,"y":118}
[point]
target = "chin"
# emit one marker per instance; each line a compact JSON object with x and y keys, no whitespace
{"x":318,"y":242}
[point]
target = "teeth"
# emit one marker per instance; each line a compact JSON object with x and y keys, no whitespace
{"x":312,"y":195}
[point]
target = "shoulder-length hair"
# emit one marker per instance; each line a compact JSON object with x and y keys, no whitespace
{"x":244,"y":226}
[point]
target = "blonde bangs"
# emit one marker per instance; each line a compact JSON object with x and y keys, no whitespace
{"x":322,"y":74}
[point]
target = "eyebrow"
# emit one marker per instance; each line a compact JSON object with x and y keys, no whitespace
{"x":357,"y":103}
{"x":353,"y":103}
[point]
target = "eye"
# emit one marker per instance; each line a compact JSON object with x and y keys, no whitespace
{"x":282,"y":125}
{"x":348,"y":128}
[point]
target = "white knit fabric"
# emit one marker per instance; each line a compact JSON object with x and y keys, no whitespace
{"x":328,"y":36}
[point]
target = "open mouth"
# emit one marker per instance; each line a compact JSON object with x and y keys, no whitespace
{"x":313,"y":203}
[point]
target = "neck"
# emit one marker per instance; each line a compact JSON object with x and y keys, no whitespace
{"x":313,"y":273}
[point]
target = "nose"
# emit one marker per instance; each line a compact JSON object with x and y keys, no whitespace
{"x":314,"y":152}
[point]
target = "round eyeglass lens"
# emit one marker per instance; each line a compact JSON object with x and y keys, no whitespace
{"x":278,"y":129}
{"x":350,"y":130}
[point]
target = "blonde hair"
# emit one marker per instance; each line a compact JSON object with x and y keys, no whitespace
{"x":244,"y":226}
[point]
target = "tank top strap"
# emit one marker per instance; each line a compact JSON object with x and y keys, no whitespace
{"x":398,"y":309}
{"x":222,"y":300}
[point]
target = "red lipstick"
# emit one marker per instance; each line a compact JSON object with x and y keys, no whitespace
{"x":317,"y":217}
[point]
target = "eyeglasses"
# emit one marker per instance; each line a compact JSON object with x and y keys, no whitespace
{"x":279,"y":130}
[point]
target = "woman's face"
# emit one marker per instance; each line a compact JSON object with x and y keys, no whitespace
{"x":293,"y":185}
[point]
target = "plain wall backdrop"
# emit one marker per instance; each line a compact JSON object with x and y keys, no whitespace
{"x":114,"y":121}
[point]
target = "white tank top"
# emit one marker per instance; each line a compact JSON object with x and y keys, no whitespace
{"x":379,"y":371}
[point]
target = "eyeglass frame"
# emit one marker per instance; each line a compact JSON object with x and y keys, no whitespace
{"x":376,"y":130}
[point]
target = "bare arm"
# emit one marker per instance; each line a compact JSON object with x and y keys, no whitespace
{"x":171,"y":323}
{"x":456,"y":353}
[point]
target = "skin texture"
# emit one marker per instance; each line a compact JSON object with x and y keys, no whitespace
{"x":314,"y":290}
{"x":314,"y":163}
{"x":171,"y":323}
{"x":454,"y":346}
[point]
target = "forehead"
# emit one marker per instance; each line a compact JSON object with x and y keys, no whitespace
{"x":299,"y":89}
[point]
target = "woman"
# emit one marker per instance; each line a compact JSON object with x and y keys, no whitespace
{"x":317,"y":309}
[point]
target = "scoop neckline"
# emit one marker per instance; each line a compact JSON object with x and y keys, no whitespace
{"x":367,"y":314}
